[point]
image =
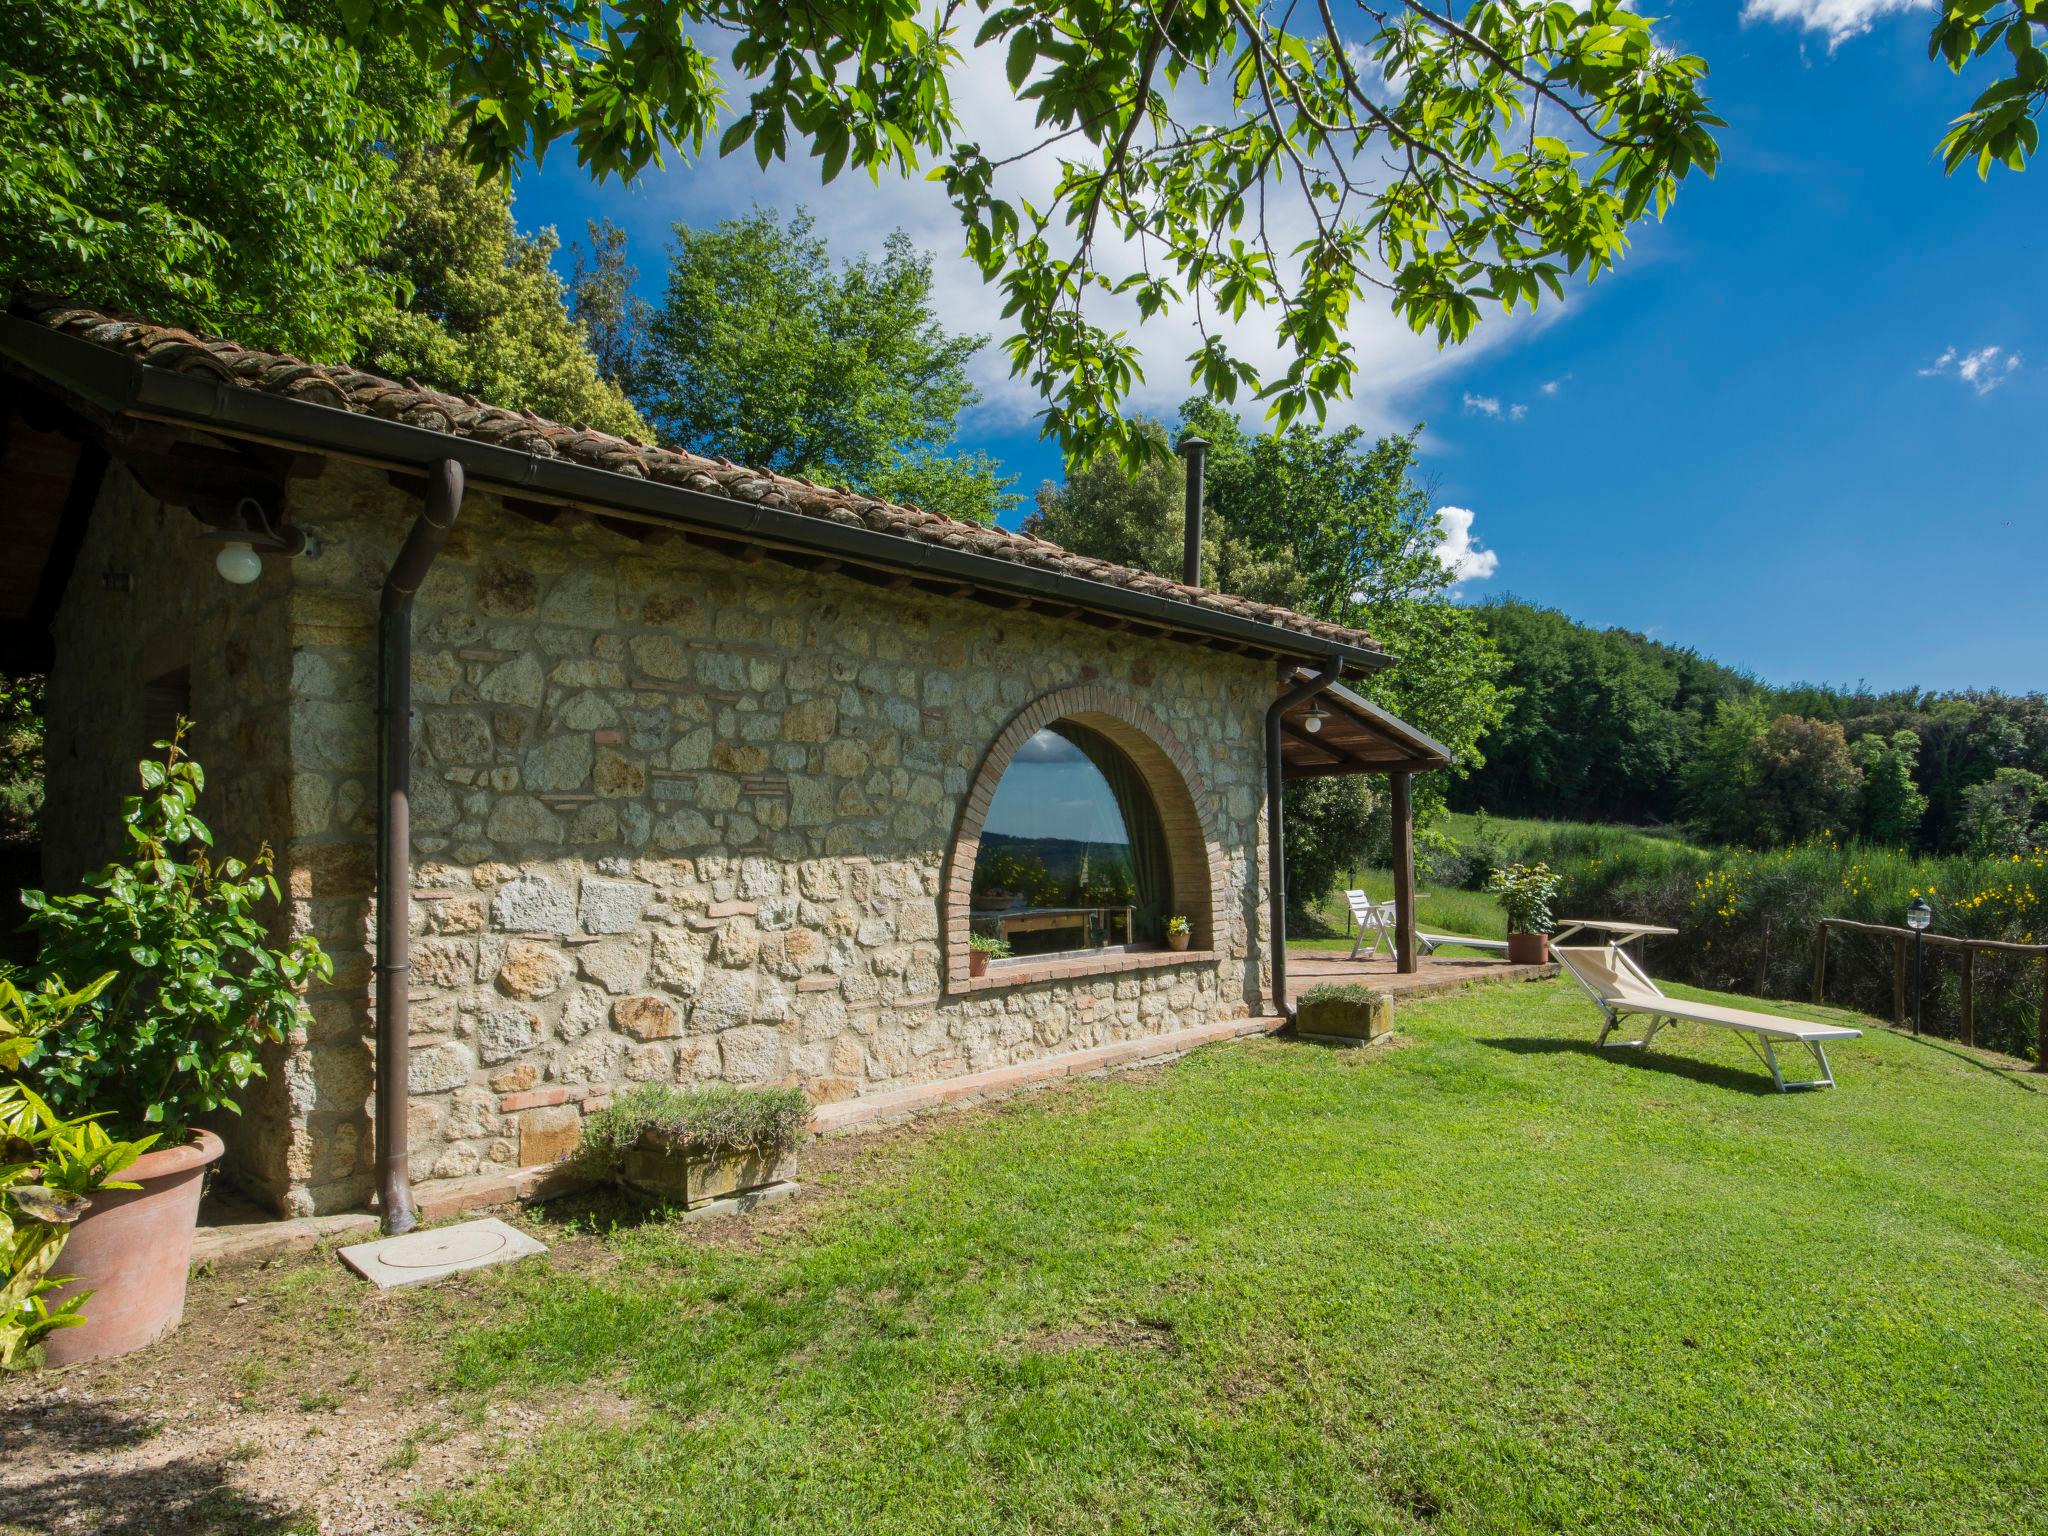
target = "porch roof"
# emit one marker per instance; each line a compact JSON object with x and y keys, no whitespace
{"x":1355,"y":736}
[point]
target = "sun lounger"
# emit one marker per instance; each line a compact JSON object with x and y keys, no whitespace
{"x":1622,"y":988}
{"x":1431,"y":941}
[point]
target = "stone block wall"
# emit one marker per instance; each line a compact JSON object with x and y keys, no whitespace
{"x":143,"y":602}
{"x":676,"y":818}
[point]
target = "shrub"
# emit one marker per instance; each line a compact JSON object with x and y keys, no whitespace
{"x":1338,"y":992}
{"x":49,"y":1170}
{"x":686,"y":1121}
{"x":197,"y":988}
{"x":1327,"y":830}
{"x":1525,"y":892}
{"x":1746,"y":922}
{"x":1480,"y":852}
{"x":989,"y":944}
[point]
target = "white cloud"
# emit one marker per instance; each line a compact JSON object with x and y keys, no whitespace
{"x":1839,"y":19}
{"x":1983,"y":370}
{"x":1490,"y":407}
{"x":1460,"y":553}
{"x":1552,"y":386}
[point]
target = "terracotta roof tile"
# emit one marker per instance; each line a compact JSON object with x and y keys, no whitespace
{"x":368,"y":394}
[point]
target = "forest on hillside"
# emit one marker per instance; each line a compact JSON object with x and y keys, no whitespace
{"x":1607,"y":725}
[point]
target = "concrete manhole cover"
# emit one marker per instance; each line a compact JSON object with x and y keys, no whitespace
{"x":421,"y":1256}
{"x":465,"y":1244}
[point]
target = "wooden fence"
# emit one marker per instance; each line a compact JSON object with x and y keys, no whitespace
{"x":1902,"y":945}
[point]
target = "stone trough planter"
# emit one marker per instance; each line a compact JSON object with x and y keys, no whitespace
{"x":693,"y":1179}
{"x":1344,"y":1016}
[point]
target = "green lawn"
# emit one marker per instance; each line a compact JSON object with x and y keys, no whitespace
{"x":1485,"y":1280}
{"x":1519,"y":834}
{"x":1446,"y":909}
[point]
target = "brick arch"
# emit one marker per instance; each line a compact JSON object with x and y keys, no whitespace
{"x":1194,"y":855}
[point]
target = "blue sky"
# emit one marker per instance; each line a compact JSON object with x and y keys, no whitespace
{"x":1774,"y":434}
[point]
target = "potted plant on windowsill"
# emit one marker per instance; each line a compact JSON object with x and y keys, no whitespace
{"x":982,"y":948}
{"x":1178,"y":932}
{"x":690,"y":1146}
{"x":1525,"y":892}
{"x":194,"y":990}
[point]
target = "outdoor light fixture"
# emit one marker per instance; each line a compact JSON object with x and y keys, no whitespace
{"x":238,"y":563}
{"x":1918,"y":917}
{"x":1316,"y":716}
{"x":246,"y":536}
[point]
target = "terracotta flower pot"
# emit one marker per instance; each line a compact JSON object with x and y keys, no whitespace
{"x":1529,"y":948}
{"x":1177,"y":940}
{"x":977,"y":962}
{"x":132,"y":1251}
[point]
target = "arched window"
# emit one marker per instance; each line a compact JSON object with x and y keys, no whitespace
{"x":1073,"y":852}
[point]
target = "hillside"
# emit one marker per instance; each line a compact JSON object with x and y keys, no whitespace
{"x":1611,"y":726}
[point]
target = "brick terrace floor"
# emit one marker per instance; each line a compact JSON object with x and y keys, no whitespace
{"x":1439,"y":973}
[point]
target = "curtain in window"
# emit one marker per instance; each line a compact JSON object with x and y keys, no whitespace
{"x":1151,"y":874}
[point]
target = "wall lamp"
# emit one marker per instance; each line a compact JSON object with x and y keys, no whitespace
{"x":247,"y":535}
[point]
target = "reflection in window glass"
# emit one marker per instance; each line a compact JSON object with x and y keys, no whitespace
{"x":1072,"y":853}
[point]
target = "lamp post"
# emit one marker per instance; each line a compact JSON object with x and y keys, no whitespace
{"x":1918,"y":916}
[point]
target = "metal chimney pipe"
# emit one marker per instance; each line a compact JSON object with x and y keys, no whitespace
{"x":1196,"y":451}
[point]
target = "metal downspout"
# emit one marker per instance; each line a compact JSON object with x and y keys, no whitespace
{"x":394,"y":837}
{"x":1276,"y":845}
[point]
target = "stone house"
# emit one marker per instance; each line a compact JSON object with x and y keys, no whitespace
{"x":698,"y":773}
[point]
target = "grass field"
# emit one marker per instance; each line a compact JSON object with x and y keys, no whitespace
{"x":1484,"y":1280}
{"x":1519,"y":835}
{"x":1444,"y":908}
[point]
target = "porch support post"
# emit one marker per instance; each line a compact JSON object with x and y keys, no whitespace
{"x":1404,"y":873}
{"x":1276,"y":841}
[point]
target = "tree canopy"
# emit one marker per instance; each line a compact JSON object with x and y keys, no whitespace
{"x":2003,"y":124}
{"x":763,"y":351}
{"x":210,"y":163}
{"x":1217,"y":157}
{"x":1611,"y":726}
{"x":479,"y":308}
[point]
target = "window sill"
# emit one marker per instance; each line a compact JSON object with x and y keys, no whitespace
{"x":1027,"y":969}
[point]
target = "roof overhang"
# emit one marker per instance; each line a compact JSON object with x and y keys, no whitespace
{"x":110,"y":387}
{"x":1354,"y":735}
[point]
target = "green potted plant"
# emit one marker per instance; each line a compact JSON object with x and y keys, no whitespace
{"x":1525,"y":892}
{"x":690,"y":1146}
{"x":982,"y":948}
{"x":1178,"y":931}
{"x":51,"y":1171}
{"x":194,"y":991}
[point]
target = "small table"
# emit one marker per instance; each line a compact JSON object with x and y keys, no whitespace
{"x":1090,"y":920}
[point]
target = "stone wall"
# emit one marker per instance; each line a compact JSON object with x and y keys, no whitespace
{"x":143,"y":602}
{"x":677,"y":818}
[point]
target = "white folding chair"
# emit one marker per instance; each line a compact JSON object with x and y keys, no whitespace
{"x":1369,"y":916}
